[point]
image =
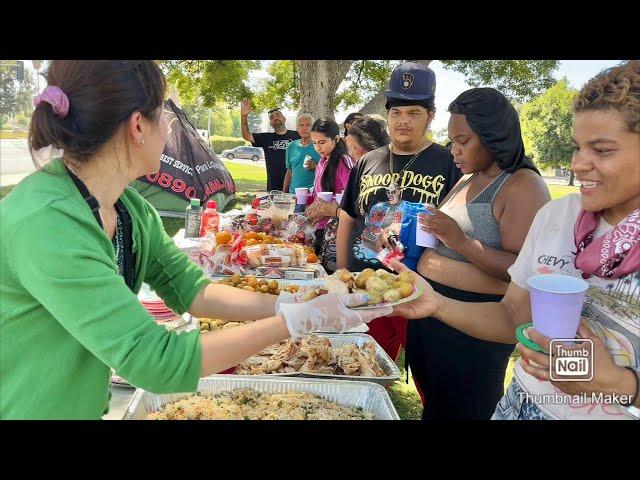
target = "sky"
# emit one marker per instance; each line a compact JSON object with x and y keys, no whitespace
{"x":449,"y":85}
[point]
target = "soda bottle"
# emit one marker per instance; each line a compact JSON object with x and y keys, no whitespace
{"x":210,"y":219}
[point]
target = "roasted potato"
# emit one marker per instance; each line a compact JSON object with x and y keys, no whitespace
{"x":406,"y":277}
{"x":405,"y":288}
{"x":375,"y":298}
{"x":392,"y":295}
{"x":361,"y":279}
{"x":376,"y":284}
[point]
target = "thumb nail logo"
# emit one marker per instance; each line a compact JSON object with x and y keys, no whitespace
{"x":571,"y":360}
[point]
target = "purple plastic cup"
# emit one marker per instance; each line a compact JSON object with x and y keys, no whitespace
{"x":556,"y":304}
{"x":301,"y":195}
{"x":325,"y":196}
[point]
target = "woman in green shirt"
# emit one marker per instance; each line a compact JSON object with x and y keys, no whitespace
{"x":76,"y":244}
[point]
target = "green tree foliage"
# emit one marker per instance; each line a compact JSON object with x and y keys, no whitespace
{"x":282,"y":90}
{"x":546,"y":126}
{"x":363,"y":81}
{"x":210,"y":81}
{"x":220,"y":118}
{"x":16,"y":97}
{"x":519,"y":80}
{"x":227,"y":80}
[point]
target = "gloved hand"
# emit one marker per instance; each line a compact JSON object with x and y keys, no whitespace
{"x":284,"y":297}
{"x":328,"y":313}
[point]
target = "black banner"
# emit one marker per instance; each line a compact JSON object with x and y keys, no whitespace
{"x":189,"y":168}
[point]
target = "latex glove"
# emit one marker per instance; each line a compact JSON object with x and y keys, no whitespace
{"x":328,"y":313}
{"x":284,"y":297}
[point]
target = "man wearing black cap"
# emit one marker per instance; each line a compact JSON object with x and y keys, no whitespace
{"x":414,"y":167}
{"x":274,"y":144}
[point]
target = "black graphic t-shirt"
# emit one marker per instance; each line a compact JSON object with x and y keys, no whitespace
{"x":369,"y":199}
{"x":275,"y":148}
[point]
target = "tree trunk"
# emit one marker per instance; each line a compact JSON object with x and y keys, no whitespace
{"x":376,"y":104}
{"x":319,"y":81}
{"x":571,"y":177}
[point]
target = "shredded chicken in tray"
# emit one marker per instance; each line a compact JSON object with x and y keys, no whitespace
{"x":314,"y":354}
{"x":249,"y":404}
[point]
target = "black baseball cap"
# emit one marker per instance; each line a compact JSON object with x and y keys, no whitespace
{"x":412,"y":81}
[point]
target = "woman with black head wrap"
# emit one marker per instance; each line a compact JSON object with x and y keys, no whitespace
{"x":481,"y":226}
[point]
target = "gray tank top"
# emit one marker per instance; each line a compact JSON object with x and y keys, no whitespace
{"x":476,"y":218}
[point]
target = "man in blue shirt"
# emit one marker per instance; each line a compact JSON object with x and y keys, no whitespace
{"x":299,"y":174}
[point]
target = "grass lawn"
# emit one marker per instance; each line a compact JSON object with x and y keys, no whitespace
{"x":248,"y":178}
{"x":13,"y":135}
{"x":404,"y":396}
{"x":558,"y":191}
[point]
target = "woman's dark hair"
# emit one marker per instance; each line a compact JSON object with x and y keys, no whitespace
{"x":352,"y":117}
{"x":369,"y":133}
{"x":491,"y":116}
{"x":102,"y":95}
{"x":329,"y":128}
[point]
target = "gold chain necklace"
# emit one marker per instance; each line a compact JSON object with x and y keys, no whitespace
{"x":393,"y":185}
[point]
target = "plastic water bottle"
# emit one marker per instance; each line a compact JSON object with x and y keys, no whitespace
{"x":193,"y":219}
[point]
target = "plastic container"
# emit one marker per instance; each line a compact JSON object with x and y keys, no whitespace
{"x":307,"y":161}
{"x":425,"y":239}
{"x":210,"y":219}
{"x":193,"y":219}
{"x":325,"y":196}
{"x":282,"y":205}
{"x":556,"y":304}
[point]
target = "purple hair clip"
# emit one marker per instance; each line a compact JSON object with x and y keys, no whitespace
{"x":55,"y":97}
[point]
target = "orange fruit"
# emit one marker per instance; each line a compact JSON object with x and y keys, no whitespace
{"x":312,"y":258}
{"x":223,"y":237}
{"x":251,"y":235}
{"x":251,"y":241}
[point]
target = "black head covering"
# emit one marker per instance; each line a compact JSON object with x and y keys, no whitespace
{"x":492,"y":117}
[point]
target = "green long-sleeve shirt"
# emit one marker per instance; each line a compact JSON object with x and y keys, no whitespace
{"x":66,"y":315}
